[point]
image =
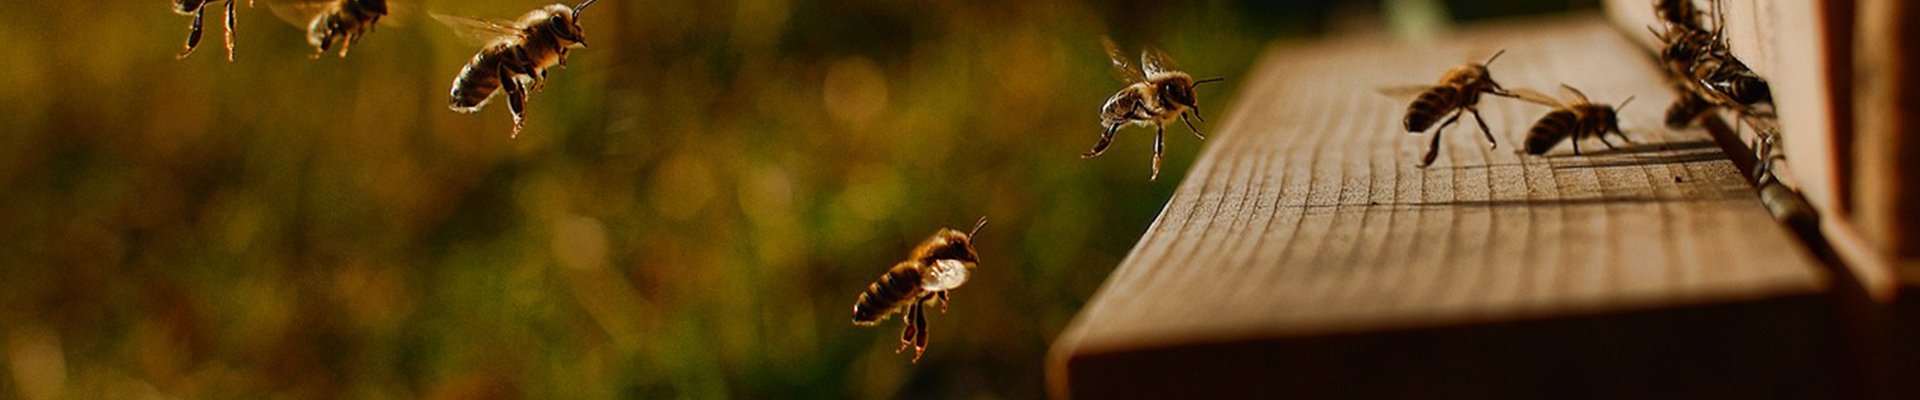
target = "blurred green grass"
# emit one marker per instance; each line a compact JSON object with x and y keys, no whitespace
{"x":690,"y":212}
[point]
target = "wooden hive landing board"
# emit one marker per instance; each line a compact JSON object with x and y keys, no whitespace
{"x":1304,"y":255}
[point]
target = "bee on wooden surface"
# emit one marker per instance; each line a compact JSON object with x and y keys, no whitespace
{"x":1730,"y":81}
{"x":1458,"y":92}
{"x":935,"y":267}
{"x":331,"y":22}
{"x":198,"y":9}
{"x":1156,"y":93}
{"x":1580,"y":120}
{"x":516,"y":56}
{"x":1703,"y":68}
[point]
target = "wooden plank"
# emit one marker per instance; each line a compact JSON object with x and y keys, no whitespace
{"x":1305,"y":255}
{"x":1887,"y":175}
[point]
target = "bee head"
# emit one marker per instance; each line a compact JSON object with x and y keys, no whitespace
{"x":1178,"y":90}
{"x":566,"y":25}
{"x":376,"y":6}
{"x":1610,"y":116}
{"x":952,"y":244}
{"x":1486,"y":75}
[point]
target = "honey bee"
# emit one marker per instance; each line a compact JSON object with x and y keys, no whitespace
{"x":1156,"y":93}
{"x":1580,"y":120}
{"x":198,"y":9}
{"x":517,"y":56}
{"x":331,"y":22}
{"x":935,"y":267}
{"x":1458,"y":91}
{"x":1730,"y":81}
{"x":1705,"y":72}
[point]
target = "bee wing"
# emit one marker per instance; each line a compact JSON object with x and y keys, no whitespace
{"x":1582,"y":97}
{"x":1535,"y":97}
{"x":1402,"y":93}
{"x":300,"y":13}
{"x":1123,"y":70}
{"x":1153,"y":61}
{"x":475,"y":30}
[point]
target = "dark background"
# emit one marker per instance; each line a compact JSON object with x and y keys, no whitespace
{"x":694,"y":205}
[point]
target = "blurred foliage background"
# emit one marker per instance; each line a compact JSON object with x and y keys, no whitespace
{"x":694,"y":205}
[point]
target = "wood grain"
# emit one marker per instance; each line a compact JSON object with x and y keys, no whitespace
{"x":1305,"y":255}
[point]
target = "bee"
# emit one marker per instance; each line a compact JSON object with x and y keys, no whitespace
{"x":935,"y":267}
{"x":198,"y":9}
{"x":1458,"y":91}
{"x":1156,"y":93}
{"x":331,"y":22}
{"x":1730,"y":81}
{"x":1706,"y":73}
{"x":517,"y":56}
{"x":1580,"y":120}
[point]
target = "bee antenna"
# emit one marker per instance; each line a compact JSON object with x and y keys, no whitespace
{"x":1623,"y":103}
{"x":1208,"y":80}
{"x":1496,"y":56}
{"x":582,"y":7}
{"x":977,"y":226}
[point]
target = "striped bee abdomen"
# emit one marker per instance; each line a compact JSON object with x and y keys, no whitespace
{"x":477,"y":81}
{"x":1745,"y":88}
{"x":894,"y":288}
{"x":1429,"y":106}
{"x":1557,"y":125}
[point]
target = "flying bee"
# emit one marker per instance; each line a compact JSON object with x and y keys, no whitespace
{"x":517,"y":56}
{"x":1580,"y":120}
{"x":198,"y":9}
{"x":1458,"y":92}
{"x":331,"y":22}
{"x":935,"y":267}
{"x":1156,"y":93}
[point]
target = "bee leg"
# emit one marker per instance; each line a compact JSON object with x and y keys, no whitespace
{"x":1106,"y":139}
{"x":1483,"y":127}
{"x":913,"y":328}
{"x":1196,"y":131}
{"x":1433,"y":148}
{"x":193,"y":33}
{"x":1622,"y":135}
{"x":919,"y":338}
{"x":516,"y":99}
{"x":346,"y":43}
{"x":1576,"y":145}
{"x":944,"y":299}
{"x":1158,"y":143}
{"x":321,"y":50}
{"x":229,"y":30}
